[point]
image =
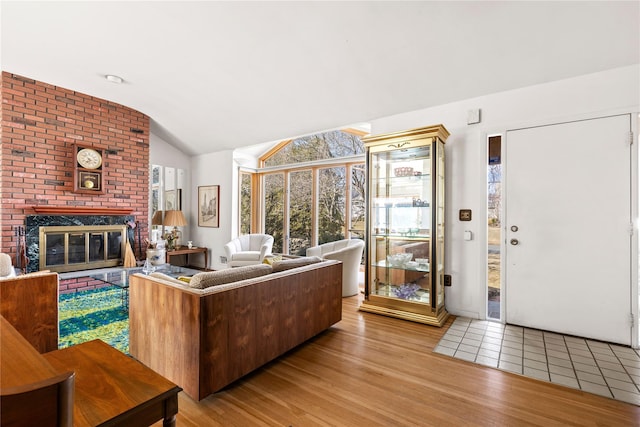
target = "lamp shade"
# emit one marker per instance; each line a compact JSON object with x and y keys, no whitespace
{"x":157,"y":218}
{"x":174,"y":218}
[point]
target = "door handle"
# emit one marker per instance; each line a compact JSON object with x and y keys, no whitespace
{"x":514,"y":242}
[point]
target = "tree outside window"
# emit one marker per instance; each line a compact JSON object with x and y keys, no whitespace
{"x":291,"y":207}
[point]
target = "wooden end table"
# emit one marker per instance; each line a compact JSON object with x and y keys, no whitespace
{"x":184,"y":250}
{"x":112,"y":388}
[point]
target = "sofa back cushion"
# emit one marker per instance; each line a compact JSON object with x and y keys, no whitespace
{"x":287,"y":264}
{"x":228,"y":275}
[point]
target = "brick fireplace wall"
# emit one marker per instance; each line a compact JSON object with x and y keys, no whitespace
{"x":40,"y":124}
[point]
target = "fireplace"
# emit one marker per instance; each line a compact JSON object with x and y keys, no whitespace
{"x":73,"y":248}
{"x":66,"y":243}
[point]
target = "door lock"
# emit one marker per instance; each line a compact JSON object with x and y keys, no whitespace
{"x":514,"y":242}
{"x":514,"y":228}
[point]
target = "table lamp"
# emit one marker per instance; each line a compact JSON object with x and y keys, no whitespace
{"x":157,"y":220}
{"x":175,"y":219}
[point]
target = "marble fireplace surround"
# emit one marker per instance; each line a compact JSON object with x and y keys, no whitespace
{"x":66,"y":216}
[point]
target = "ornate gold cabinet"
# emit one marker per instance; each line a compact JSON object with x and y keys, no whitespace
{"x":404,"y":274}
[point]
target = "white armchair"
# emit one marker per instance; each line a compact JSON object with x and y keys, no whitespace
{"x":349,"y":251}
{"x":248,"y":249}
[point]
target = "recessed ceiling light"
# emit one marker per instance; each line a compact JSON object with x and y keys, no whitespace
{"x":114,"y":79}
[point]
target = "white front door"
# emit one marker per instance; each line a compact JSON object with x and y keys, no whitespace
{"x":568,"y":221}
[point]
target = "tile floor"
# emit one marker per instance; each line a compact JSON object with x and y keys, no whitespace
{"x":606,"y":369}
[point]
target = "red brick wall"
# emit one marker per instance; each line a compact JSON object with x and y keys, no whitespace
{"x":40,"y":124}
{"x":68,"y":286}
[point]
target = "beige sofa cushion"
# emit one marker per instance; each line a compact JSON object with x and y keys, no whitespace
{"x":288,"y":264}
{"x":228,"y":275}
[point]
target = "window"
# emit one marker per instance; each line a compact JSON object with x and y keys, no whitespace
{"x":494,"y":225}
{"x":313,"y":190}
{"x":316,"y":147}
{"x":332,"y":205}
{"x":246,"y":189}
{"x":300,"y":211}
{"x":274,"y":209}
{"x":356,"y":196}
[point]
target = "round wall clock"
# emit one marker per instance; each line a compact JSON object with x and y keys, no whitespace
{"x":89,"y":158}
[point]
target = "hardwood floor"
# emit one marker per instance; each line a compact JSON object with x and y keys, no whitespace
{"x":370,"y":370}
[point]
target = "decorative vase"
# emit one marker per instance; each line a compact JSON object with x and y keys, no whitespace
{"x":156,"y":256}
{"x":148,"y":268}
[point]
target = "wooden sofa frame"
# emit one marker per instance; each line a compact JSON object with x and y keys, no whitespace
{"x":30,"y":303}
{"x":204,"y":340}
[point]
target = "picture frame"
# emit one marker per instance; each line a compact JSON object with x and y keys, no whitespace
{"x":173,"y":200}
{"x":209,"y":206}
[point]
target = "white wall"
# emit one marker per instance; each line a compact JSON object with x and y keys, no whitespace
{"x":594,"y":95}
{"x":609,"y":92}
{"x":215,"y":169}
{"x":163,"y":154}
{"x":218,"y":168}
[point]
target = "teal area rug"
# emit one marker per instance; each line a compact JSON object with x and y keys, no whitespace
{"x":94,"y":314}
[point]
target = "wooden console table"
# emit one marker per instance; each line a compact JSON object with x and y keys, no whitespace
{"x":112,"y":388}
{"x":184,"y":250}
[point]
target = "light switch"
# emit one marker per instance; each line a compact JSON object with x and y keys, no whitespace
{"x":468,"y":235}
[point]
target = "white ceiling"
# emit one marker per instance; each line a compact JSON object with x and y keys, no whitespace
{"x":221,"y":75}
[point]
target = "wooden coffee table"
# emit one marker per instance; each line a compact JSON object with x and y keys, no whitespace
{"x":112,"y":388}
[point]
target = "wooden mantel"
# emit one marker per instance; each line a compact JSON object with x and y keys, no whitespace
{"x":80,"y":210}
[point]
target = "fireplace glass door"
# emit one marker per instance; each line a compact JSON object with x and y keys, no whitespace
{"x":73,"y":248}
{"x":76,"y":248}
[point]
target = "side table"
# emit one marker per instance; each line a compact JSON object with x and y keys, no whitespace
{"x":184,"y":250}
{"x":112,"y":388}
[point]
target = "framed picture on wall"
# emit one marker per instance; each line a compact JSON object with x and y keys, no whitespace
{"x":209,"y":206}
{"x":173,"y":200}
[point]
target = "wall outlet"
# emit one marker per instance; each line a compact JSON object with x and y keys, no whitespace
{"x":223,"y":260}
{"x":447,"y":280}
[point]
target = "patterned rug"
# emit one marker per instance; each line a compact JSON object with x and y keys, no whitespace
{"x":94,"y":314}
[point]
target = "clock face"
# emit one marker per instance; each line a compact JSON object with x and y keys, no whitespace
{"x":89,"y":158}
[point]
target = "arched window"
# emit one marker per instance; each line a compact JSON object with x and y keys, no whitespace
{"x":317,"y":147}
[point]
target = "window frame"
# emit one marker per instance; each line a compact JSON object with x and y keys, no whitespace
{"x":258,"y":189}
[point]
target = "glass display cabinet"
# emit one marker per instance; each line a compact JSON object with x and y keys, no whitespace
{"x":404,"y":257}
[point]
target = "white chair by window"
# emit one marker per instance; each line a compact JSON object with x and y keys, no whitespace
{"x":248,"y":249}
{"x":349,"y":251}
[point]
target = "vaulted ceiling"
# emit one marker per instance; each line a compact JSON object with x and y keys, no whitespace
{"x":220,"y":75}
